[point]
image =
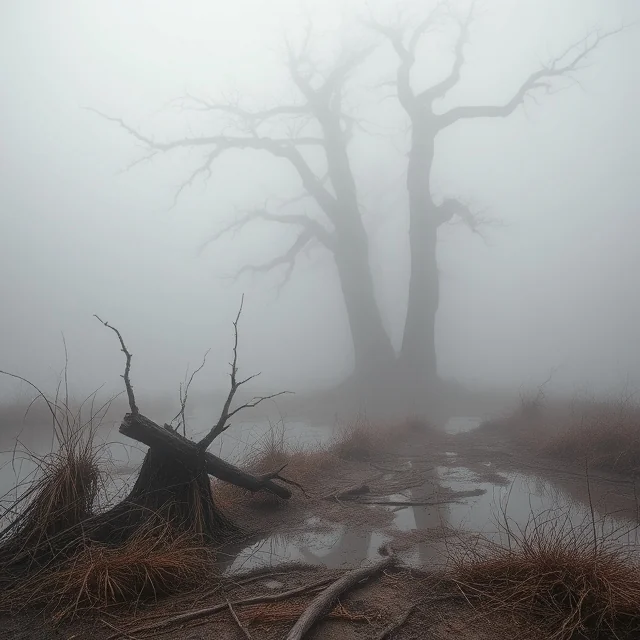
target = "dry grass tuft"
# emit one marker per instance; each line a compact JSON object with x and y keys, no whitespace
{"x":152,"y":563}
{"x":605,"y":433}
{"x":360,"y":440}
{"x":61,"y":494}
{"x":576,"y":585}
{"x":273,"y":451}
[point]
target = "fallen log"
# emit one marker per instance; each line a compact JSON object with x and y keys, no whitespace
{"x":143,"y":430}
{"x":323,"y":602}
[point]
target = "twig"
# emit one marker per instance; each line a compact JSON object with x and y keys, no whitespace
{"x":184,"y":396}
{"x":235,"y":617}
{"x":322,"y":603}
{"x":223,"y":422}
{"x":387,"y":631}
{"x":127,"y":381}
{"x":350,"y":492}
{"x":202,"y":613}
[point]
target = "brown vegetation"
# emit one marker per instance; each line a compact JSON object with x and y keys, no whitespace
{"x":605,"y":433}
{"x":305,"y":465}
{"x":152,"y":563}
{"x":573,"y":582}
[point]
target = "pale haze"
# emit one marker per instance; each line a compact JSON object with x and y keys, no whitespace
{"x":81,"y":233}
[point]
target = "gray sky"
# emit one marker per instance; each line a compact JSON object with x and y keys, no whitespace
{"x":78,"y":235}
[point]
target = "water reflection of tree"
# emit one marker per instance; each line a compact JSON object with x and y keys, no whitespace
{"x":429,"y":517}
{"x":351,"y":549}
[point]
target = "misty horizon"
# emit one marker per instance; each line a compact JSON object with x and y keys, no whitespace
{"x":84,"y":233}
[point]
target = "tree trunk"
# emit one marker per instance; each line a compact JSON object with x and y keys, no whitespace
{"x":171,"y":443}
{"x":372,"y":349}
{"x":418,"y":358}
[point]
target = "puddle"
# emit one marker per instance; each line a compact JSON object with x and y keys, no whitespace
{"x":461,"y":425}
{"x":521,"y":498}
{"x":341,"y":546}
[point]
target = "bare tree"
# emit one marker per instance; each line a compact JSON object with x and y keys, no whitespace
{"x":315,"y":122}
{"x":418,"y":354}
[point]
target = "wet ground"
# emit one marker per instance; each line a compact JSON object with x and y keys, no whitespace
{"x":479,"y":491}
{"x":478,"y":496}
{"x":472,"y":486}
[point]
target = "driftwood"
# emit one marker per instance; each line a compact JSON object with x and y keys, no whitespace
{"x":141,"y":429}
{"x":322,"y":603}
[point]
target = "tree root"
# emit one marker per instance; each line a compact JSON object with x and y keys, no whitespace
{"x":323,"y":602}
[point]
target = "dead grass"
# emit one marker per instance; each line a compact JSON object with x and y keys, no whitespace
{"x":299,"y":463}
{"x":575,"y":583}
{"x":152,"y":563}
{"x":360,"y":440}
{"x":47,"y":559}
{"x":605,"y":433}
{"x":357,"y":441}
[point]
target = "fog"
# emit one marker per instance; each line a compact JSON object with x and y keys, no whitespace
{"x":84,"y":233}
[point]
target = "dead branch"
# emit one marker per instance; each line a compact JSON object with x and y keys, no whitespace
{"x":322,"y":603}
{"x":208,"y":611}
{"x":184,"y":393}
{"x":244,"y":630}
{"x":141,"y":429}
{"x":314,"y":228}
{"x":561,"y":66}
{"x":127,"y":381}
{"x":226,"y":414}
{"x":288,"y":259}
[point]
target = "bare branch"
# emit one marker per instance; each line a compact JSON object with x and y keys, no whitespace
{"x":184,"y":395}
{"x":475,"y":221}
{"x":279,"y":147}
{"x":256,"y":118}
{"x":560,"y":67}
{"x":223,"y":422}
{"x":403,"y":74}
{"x":127,"y":381}
{"x":429,"y":22}
{"x":288,"y":259}
{"x":441,"y":89}
{"x":313,"y":227}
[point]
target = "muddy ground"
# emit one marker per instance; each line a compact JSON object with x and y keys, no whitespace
{"x":444,"y":479}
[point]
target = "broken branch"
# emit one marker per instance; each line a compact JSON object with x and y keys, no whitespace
{"x":226,"y":414}
{"x":127,"y":381}
{"x":322,"y":603}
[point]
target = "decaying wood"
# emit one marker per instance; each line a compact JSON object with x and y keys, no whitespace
{"x":142,"y":429}
{"x":322,"y":603}
{"x":197,"y":614}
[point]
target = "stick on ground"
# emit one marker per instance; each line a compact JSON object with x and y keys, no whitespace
{"x":196,"y":614}
{"x":322,"y":603}
{"x":244,"y":630}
